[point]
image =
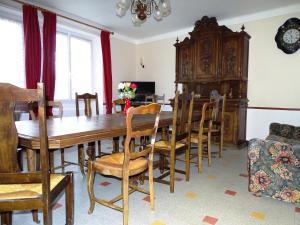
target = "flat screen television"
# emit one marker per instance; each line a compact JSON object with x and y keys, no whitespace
{"x":144,"y":88}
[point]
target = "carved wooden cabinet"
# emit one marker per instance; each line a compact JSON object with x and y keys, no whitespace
{"x":216,"y":58}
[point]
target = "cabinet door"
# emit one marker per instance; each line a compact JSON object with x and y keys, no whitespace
{"x":184,"y":63}
{"x":231,"y":57}
{"x":230,"y":127}
{"x":206,"y":58}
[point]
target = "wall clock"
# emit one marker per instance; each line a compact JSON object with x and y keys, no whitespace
{"x":288,"y":36}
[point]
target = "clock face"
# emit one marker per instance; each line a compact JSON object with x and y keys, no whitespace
{"x":291,"y":36}
{"x":288,"y":36}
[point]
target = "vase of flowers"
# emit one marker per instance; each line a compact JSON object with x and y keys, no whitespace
{"x":127,"y":92}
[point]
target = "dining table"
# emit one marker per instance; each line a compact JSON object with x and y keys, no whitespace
{"x":71,"y":131}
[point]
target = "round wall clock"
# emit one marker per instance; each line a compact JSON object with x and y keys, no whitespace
{"x":288,"y":36}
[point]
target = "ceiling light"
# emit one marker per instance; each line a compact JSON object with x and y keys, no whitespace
{"x":141,"y":9}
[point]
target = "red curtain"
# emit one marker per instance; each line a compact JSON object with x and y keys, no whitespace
{"x":32,"y":43}
{"x":49,"y":46}
{"x":106,"y":56}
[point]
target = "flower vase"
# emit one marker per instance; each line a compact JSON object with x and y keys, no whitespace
{"x":127,"y":105}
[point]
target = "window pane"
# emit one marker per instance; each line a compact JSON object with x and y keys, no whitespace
{"x":62,"y":78}
{"x":81,"y":66}
{"x":12,"y":53}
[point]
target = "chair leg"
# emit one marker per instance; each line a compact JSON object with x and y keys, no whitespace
{"x":51,"y":160}
{"x":200,"y":148}
{"x":99,"y":149}
{"x":221,"y":144}
{"x":172,"y":170}
{"x":62,"y":159}
{"x":6,"y":218}
{"x":125,"y":187}
{"x":69,"y":198}
{"x":187,"y":163}
{"x":151,"y":185}
{"x":81,"y":158}
{"x":47,"y":214}
{"x":90,"y":186}
{"x":209,"y":148}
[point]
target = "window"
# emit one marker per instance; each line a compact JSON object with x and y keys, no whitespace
{"x":12,"y":69}
{"x":73,"y":66}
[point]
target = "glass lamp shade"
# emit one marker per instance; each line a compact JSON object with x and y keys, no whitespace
{"x":125,"y":4}
{"x":136,"y":21}
{"x":157,"y":14}
{"x":165,"y":7}
{"x":120,"y":11}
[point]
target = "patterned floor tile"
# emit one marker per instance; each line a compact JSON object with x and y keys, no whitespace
{"x":210,"y":220}
{"x":178,"y":178}
{"x":105,"y":183}
{"x":243,"y":175}
{"x":211,"y":177}
{"x":229,"y":192}
{"x":191,"y":195}
{"x":147,"y":198}
{"x":57,"y":206}
{"x":258,"y":215}
{"x":157,"y":222}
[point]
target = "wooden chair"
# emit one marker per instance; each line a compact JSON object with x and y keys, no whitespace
{"x":118,"y":105}
{"x":127,"y":164}
{"x":87,"y":99}
{"x":32,"y":190}
{"x":180,"y":139}
{"x":57,"y":105}
{"x":202,"y":135}
{"x":217,"y":122}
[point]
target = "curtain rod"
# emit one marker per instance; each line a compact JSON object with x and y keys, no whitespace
{"x":62,"y":16}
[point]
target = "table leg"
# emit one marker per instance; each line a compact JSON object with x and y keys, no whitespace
{"x":116,"y":146}
{"x":164,"y":133}
{"x":91,"y":152}
{"x":81,"y":158}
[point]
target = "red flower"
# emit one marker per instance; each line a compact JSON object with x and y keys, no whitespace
{"x":133,"y":86}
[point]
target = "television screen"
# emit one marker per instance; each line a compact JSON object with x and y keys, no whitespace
{"x":144,"y":88}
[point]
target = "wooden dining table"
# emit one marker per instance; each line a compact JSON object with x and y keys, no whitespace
{"x":70,"y":131}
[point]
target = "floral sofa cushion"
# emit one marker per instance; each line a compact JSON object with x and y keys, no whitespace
{"x":284,"y":133}
{"x":274,"y":169}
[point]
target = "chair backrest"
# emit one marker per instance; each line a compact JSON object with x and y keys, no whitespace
{"x":8,"y":134}
{"x":182,"y":116}
{"x":156,"y":99}
{"x":207,"y":113}
{"x":118,"y":104}
{"x":87,"y":98}
{"x":133,"y":113}
{"x":218,"y":112}
{"x":54,"y":104}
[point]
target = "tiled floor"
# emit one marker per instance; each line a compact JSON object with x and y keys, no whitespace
{"x":217,"y":196}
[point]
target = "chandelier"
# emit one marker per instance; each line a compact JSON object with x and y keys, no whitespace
{"x":141,"y":9}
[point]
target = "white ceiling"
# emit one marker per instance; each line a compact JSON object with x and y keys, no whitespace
{"x":184,"y":13}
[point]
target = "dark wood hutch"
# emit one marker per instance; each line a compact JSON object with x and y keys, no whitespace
{"x":216,"y":58}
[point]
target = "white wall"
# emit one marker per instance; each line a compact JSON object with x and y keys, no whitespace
{"x":123,"y":57}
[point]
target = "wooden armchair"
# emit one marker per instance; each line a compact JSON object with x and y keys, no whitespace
{"x":127,"y":164}
{"x":34,"y":190}
{"x":87,"y":99}
{"x":180,"y":139}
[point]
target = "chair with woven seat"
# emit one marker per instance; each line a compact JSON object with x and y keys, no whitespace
{"x":217,"y":120}
{"x":180,"y":140}
{"x":128,"y":163}
{"x":202,"y":135}
{"x":28,"y":190}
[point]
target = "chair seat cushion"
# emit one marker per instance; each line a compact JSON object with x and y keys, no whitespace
{"x":166,"y":145}
{"x":113,"y":165}
{"x":194,"y":138}
{"x":25,"y":191}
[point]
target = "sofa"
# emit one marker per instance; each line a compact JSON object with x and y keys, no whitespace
{"x":274,"y":164}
